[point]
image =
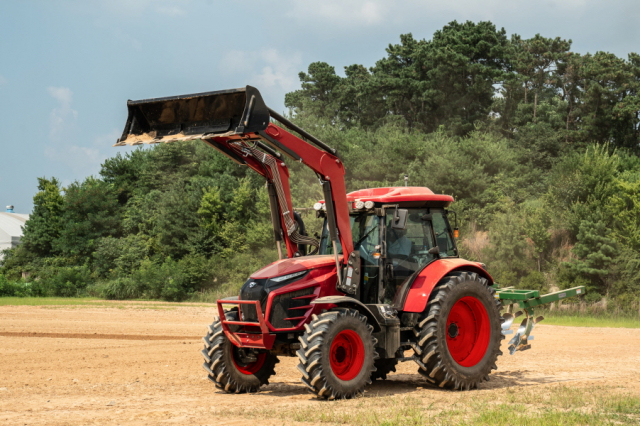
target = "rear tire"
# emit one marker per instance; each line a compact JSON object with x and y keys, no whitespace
{"x":459,"y":333}
{"x":225,"y":368}
{"x":337,"y":354}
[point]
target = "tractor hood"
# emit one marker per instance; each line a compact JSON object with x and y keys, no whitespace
{"x":295,"y":264}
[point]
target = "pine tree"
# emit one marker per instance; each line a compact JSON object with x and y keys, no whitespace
{"x":44,"y":224}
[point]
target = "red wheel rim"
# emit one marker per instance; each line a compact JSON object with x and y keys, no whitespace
{"x":247,"y":368}
{"x":346,"y":355}
{"x":468,"y":331}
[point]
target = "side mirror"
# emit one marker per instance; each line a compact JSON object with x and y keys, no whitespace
{"x":400,"y":219}
{"x":434,"y":250}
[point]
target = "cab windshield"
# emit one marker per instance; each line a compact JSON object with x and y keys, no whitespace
{"x":425,"y":229}
{"x":387,"y":262}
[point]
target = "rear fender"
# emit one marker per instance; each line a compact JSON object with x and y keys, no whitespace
{"x":413,"y":296}
{"x":349,"y":302}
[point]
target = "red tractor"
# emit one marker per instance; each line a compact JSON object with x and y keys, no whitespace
{"x":384,"y":278}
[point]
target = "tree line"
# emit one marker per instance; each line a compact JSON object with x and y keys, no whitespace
{"x":538,"y":144}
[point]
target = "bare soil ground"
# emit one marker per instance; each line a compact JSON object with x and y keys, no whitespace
{"x":127,"y":364}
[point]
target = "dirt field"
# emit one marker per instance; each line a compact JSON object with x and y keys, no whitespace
{"x":76,"y":365}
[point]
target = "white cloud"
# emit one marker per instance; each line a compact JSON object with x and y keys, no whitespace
{"x":267,"y":69}
{"x":279,"y":70}
{"x":62,"y":118}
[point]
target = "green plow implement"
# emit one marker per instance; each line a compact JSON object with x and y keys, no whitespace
{"x":526,"y":301}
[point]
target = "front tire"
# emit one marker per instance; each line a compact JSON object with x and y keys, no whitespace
{"x":459,"y":333}
{"x":337,"y":354}
{"x":227,"y":369}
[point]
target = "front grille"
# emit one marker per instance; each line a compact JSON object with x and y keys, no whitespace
{"x":256,"y":292}
{"x":288,"y":309}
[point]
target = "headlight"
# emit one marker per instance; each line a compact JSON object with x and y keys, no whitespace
{"x":359,"y":205}
{"x":287,"y":277}
{"x":317,"y":206}
{"x":368,"y":205}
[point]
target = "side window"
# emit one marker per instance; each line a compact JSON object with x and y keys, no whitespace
{"x":443,"y":234}
{"x":417,"y":237}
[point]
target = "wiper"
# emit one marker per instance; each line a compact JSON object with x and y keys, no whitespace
{"x":365,"y":236}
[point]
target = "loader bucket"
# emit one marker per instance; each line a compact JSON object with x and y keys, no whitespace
{"x":186,"y":117}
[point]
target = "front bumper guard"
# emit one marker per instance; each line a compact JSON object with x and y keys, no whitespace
{"x":261,"y":340}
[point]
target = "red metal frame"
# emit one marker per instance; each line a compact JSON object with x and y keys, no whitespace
{"x":321,"y":279}
{"x":262,"y":340}
{"x":324,"y":163}
{"x":330,"y":167}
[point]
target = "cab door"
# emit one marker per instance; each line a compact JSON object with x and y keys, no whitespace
{"x":407,"y":250}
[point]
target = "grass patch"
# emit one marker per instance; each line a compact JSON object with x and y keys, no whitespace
{"x":535,"y":406}
{"x":42,"y":301}
{"x":507,"y":415}
{"x":213,"y":295}
{"x":93,"y":302}
{"x":589,"y":321}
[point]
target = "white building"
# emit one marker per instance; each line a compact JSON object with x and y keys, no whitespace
{"x":11,"y":228}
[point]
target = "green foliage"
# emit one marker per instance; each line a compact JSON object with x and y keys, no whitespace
{"x":534,"y":281}
{"x":539,"y":146}
{"x":120,"y":256}
{"x":627,"y":268}
{"x":595,"y":251}
{"x":508,"y":254}
{"x":176,"y":223}
{"x":44,"y":225}
{"x":536,"y":226}
{"x":425,"y":84}
{"x":624,"y":210}
{"x":65,"y":281}
{"x":238,"y":223}
{"x":15,"y":288}
{"x":90,"y":212}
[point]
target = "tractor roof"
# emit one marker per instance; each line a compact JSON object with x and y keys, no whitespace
{"x":399,"y":194}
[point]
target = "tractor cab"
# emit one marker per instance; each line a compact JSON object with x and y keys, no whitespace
{"x":397,"y":232}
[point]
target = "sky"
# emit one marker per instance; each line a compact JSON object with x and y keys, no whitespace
{"x":67,"y":68}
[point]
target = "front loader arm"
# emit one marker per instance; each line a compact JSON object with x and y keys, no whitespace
{"x":325,"y":164}
{"x":329,"y":169}
{"x":237,"y":123}
{"x":247,"y":153}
